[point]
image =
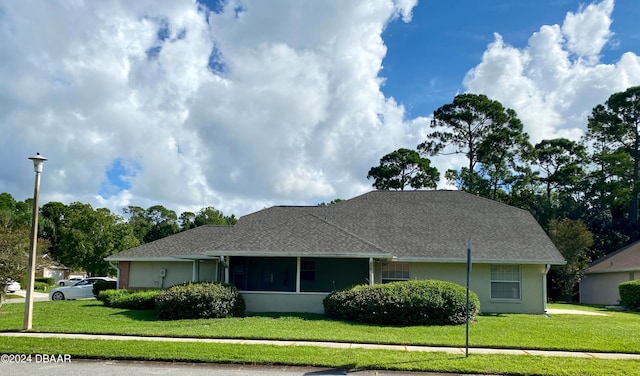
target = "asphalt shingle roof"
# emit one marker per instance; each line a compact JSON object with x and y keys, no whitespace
{"x":622,"y":260}
{"x":409,"y":225}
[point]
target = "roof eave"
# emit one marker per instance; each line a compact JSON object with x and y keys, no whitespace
{"x":622,"y":270}
{"x":147,"y":258}
{"x":298,"y":254}
{"x":479,"y":261}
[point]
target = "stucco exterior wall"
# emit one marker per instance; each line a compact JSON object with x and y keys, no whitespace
{"x":146,"y":274}
{"x":602,"y":288}
{"x":531,"y":284}
{"x":283,"y":301}
{"x":532,"y":297}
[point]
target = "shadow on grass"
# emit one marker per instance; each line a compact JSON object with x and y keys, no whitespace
{"x":139,"y":314}
{"x":290,"y":315}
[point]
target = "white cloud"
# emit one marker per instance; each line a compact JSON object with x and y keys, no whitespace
{"x":555,"y":81}
{"x":263,"y":103}
{"x":587,"y":31}
{"x":292,"y":112}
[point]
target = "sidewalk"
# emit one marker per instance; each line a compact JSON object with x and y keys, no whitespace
{"x":449,"y":350}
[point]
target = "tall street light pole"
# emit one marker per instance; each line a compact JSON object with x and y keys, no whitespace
{"x":38,"y":162}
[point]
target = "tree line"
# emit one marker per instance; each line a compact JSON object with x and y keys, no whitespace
{"x":583,"y":193}
{"x":80,"y":237}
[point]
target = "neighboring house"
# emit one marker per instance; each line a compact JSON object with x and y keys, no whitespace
{"x":48,"y":268}
{"x":600,"y":283}
{"x":288,"y":258}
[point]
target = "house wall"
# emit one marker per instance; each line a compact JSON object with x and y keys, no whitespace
{"x":283,"y":301}
{"x":56,"y":274}
{"x":531,"y":284}
{"x":146,"y":274}
{"x":602,"y":288}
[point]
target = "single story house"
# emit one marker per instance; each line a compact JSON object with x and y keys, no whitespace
{"x":288,"y":258}
{"x":601,"y":280}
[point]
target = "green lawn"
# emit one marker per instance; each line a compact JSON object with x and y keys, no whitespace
{"x":616,"y":332}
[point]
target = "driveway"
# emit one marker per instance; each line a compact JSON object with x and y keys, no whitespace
{"x":37,"y":297}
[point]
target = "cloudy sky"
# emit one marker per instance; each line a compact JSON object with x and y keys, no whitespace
{"x":246,"y":104}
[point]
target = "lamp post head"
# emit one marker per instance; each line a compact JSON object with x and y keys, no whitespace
{"x":38,"y":161}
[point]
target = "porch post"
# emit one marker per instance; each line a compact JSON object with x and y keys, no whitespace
{"x":298,"y":265}
{"x":226,"y":269}
{"x":371,"y":271}
{"x":196,"y":271}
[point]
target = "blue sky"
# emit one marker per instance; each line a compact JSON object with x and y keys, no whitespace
{"x":280,"y":102}
{"x":428,"y":57}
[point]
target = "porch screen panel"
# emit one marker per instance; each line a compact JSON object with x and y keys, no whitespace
{"x":319,"y":274}
{"x":264,"y":273}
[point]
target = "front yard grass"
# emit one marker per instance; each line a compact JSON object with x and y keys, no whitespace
{"x":613,"y":333}
{"x":350,"y":359}
{"x":616,"y":332}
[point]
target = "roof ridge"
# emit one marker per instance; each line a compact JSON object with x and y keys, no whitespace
{"x":356,"y":236}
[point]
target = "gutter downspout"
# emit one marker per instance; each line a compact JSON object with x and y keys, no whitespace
{"x":544,"y":287}
{"x":117,"y":273}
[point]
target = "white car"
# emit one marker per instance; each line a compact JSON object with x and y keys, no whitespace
{"x":82,"y":289}
{"x":69,"y":282}
{"x":12,"y":286}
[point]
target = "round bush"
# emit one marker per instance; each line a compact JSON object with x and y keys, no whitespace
{"x":630,"y":295}
{"x":424,"y":302}
{"x":199,"y":300}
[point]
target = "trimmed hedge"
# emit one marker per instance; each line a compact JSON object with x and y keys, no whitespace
{"x":419,"y":302}
{"x":41,"y":286}
{"x":129,"y":299}
{"x":630,"y":295}
{"x":199,"y":300}
{"x":47,"y":280}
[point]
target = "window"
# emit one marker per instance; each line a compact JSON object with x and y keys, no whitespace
{"x":395,"y":271}
{"x":505,"y":282}
{"x":308,"y":271}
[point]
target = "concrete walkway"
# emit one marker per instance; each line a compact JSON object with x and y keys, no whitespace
{"x":449,"y":350}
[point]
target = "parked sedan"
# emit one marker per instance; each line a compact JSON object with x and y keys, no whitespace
{"x":69,"y":282}
{"x":12,"y":286}
{"x":80,"y":290}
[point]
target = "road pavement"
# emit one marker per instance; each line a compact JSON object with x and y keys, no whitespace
{"x":146,"y":368}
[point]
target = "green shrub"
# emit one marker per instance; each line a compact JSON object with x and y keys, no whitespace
{"x":199,"y":300}
{"x":630,"y":295}
{"x":49,"y":281}
{"x":129,"y":299}
{"x":41,"y":286}
{"x":425,"y":302}
{"x":102,"y":286}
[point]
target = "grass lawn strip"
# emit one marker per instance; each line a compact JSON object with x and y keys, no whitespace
{"x":615,"y":332}
{"x":338,"y":345}
{"x":316,"y":356}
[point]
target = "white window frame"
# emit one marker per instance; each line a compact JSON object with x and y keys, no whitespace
{"x":507,"y":274}
{"x":395,"y":271}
